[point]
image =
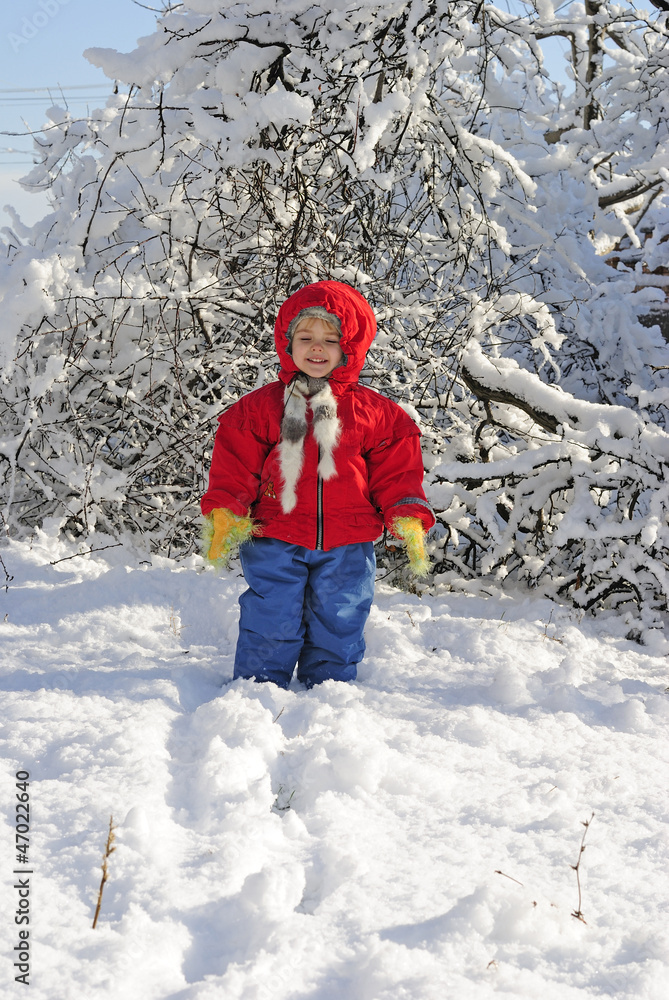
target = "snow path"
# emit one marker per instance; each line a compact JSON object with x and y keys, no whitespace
{"x":406,"y":836}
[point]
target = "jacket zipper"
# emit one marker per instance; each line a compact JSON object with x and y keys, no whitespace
{"x":319,"y":508}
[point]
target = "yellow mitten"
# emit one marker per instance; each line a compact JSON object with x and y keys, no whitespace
{"x":410,"y":531}
{"x":223,"y":533}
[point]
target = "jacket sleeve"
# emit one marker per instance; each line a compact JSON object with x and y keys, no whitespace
{"x":395,"y":471}
{"x":240,"y":449}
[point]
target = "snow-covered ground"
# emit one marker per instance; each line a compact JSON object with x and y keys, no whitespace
{"x":406,"y":837}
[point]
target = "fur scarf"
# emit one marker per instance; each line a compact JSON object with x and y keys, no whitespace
{"x":306,"y":391}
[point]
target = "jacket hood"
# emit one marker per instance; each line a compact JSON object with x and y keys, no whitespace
{"x":358,"y":327}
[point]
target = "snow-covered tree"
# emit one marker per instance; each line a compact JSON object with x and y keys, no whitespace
{"x":418,"y":150}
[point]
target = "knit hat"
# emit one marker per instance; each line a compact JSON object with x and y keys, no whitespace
{"x":312,"y":312}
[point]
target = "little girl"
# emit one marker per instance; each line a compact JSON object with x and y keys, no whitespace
{"x":306,"y":471}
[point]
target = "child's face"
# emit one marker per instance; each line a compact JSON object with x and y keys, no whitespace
{"x":316,"y":349}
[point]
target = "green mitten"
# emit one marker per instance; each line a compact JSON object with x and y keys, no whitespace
{"x":410,"y":531}
{"x":223,"y":533}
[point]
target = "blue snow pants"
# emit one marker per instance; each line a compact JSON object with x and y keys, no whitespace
{"x":305,"y":607}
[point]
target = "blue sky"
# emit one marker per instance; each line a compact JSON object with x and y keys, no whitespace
{"x":41,"y":45}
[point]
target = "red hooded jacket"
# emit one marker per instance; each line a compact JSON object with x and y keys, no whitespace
{"x":378,"y":460}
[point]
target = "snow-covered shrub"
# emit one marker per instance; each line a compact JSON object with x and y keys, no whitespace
{"x":414,"y":148}
{"x":583,"y":510}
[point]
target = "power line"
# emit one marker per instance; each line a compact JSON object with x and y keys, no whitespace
{"x":6,"y":102}
{"x":56,"y":86}
{"x":35,"y":98}
{"x":31,"y":101}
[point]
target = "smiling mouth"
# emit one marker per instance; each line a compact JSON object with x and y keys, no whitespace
{"x":318,"y":361}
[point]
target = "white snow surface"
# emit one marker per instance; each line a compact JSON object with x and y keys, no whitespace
{"x":409,"y":836}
